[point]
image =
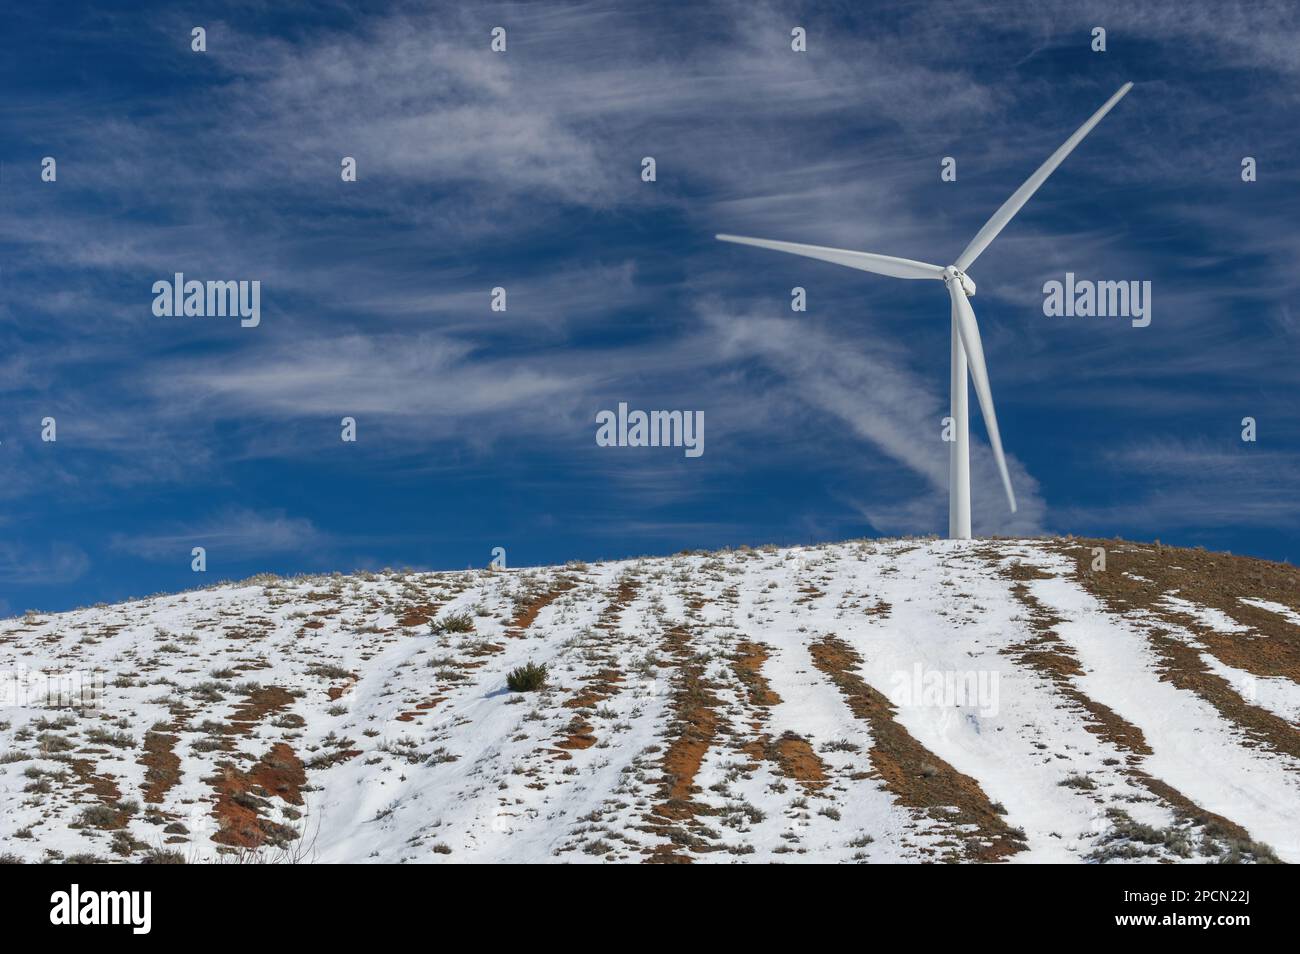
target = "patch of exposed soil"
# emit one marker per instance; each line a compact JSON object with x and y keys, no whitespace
{"x":1217,"y":581}
{"x":259,"y":704}
{"x":578,"y":735}
{"x":606,"y":681}
{"x":242,"y":797}
{"x":421,"y":708}
{"x":693,"y":729}
{"x":747,"y":664}
{"x":1049,"y":654}
{"x":881,"y":608}
{"x":418,"y":614}
{"x":103,"y":787}
{"x":480,"y":650}
{"x":596,"y":688}
{"x":337,"y":692}
{"x":798,"y":761}
{"x":808,"y":593}
{"x":794,"y":758}
{"x":622,"y":596}
{"x":527,"y":613}
{"x":792,"y":754}
{"x":162,"y":765}
{"x":917,"y":777}
{"x":695,"y":726}
{"x":1184,"y":668}
{"x":1185,"y":807}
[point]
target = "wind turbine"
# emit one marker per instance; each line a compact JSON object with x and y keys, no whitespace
{"x":967,"y":352}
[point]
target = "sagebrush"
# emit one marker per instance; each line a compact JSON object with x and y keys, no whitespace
{"x":528,"y":678}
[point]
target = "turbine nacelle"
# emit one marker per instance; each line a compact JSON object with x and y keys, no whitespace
{"x":952,"y":272}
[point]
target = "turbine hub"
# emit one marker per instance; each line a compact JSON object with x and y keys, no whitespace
{"x":953,"y":273}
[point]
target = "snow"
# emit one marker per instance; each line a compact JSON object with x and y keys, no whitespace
{"x":426,"y":756}
{"x":1195,"y":749}
{"x":1207,"y":616}
{"x":1288,"y":614}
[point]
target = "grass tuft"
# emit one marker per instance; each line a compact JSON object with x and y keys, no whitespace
{"x":453,"y":623}
{"x":527,"y":678}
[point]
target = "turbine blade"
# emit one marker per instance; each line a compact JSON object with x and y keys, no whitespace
{"x":864,"y":261}
{"x":964,"y":315}
{"x":1022,"y":195}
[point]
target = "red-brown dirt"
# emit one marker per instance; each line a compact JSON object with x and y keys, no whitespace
{"x":917,"y":777}
{"x":162,"y":765}
{"x":529,"y":612}
{"x":242,"y":796}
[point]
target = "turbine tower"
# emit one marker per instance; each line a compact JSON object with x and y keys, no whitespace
{"x":967,"y":352}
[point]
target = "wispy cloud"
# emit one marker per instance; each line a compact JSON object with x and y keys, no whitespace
{"x":48,"y":565}
{"x":235,"y":533}
{"x":1196,"y":483}
{"x":869,"y":387}
{"x":478,"y":170}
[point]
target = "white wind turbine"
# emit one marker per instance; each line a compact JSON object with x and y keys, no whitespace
{"x":966,"y":348}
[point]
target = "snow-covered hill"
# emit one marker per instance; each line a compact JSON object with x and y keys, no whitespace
{"x":871,"y":701}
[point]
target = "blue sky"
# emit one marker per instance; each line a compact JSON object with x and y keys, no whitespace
{"x":476,"y":429}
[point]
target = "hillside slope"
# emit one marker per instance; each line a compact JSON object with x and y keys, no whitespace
{"x":871,"y":701}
